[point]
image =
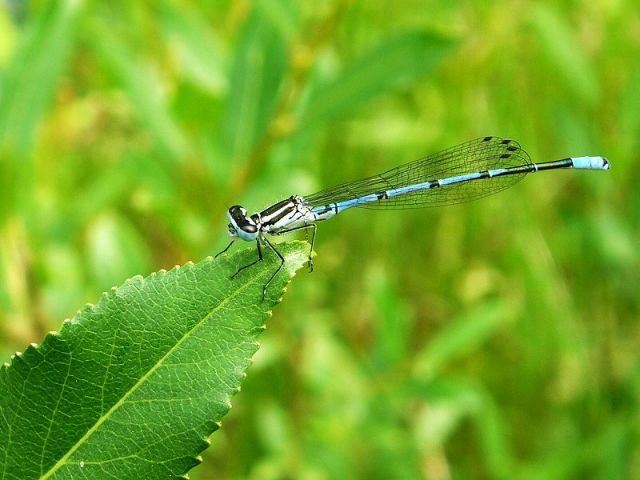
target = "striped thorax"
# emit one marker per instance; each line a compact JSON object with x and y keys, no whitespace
{"x":289,"y":213}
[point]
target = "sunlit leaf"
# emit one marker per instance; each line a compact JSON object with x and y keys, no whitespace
{"x":131,"y":387}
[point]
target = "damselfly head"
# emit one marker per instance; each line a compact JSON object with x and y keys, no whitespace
{"x":240,"y":225}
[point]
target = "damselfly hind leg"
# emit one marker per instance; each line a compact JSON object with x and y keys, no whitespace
{"x":252,"y":263}
{"x":273,"y":275}
{"x":313,"y":239}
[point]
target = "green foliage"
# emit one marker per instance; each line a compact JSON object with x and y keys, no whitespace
{"x":132,"y":386}
{"x":496,"y":339}
{"x":397,"y":62}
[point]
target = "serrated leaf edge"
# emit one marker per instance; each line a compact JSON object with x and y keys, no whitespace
{"x":72,"y":322}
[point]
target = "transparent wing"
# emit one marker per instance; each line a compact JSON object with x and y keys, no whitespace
{"x":478,"y":155}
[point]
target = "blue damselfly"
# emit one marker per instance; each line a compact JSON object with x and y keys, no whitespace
{"x":459,"y":174}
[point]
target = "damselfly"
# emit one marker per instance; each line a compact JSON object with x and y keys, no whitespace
{"x":459,"y":174}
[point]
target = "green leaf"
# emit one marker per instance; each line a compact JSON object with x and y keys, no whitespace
{"x":132,"y":387}
{"x":397,"y":62}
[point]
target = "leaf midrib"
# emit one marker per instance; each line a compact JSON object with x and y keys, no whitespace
{"x":142,"y":379}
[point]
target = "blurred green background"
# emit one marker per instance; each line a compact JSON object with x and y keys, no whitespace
{"x":493,"y":340}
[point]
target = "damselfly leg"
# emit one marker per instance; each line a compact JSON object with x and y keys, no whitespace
{"x":225,"y":249}
{"x":252,"y":263}
{"x":259,"y":259}
{"x":313,"y":238}
{"x":266,"y":285}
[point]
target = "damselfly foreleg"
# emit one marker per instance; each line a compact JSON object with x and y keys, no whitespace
{"x":225,"y":249}
{"x":252,"y":263}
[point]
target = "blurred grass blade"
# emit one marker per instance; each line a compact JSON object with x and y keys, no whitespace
{"x":26,"y":89}
{"x":393,"y":324}
{"x":144,"y":90}
{"x":257,"y":73}
{"x":28,"y":84}
{"x":115,"y":249}
{"x":195,"y":45}
{"x":133,"y":386}
{"x":461,"y":337}
{"x":599,"y":454}
{"x":492,"y":434}
{"x":282,"y":14}
{"x":567,"y":55}
{"x":397,"y":62}
{"x":452,"y":401}
{"x":630,"y":113}
{"x":8,"y":37}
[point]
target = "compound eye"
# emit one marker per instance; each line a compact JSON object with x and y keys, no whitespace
{"x":238,"y":214}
